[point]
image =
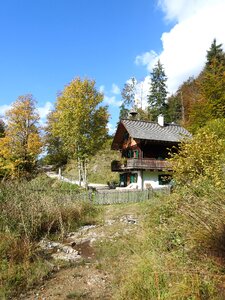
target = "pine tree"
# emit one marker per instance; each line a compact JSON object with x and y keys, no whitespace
{"x":158,"y":92}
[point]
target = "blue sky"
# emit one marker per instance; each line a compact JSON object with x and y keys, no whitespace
{"x":47,"y":43}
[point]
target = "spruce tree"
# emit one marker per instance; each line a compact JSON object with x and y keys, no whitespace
{"x":215,"y":56}
{"x":158,"y":92}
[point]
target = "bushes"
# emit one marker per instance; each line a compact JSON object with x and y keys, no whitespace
{"x":201,"y":158}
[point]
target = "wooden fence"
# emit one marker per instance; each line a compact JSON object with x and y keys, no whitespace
{"x":121,"y":196}
{"x":102,"y":197}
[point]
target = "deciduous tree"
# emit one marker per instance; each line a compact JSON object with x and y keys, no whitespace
{"x":56,"y":154}
{"x":128,"y":96}
{"x":201,"y":158}
{"x":81,"y":122}
{"x":21,"y":145}
{"x":2,"y":128}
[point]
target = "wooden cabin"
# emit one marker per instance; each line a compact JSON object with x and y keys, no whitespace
{"x":144,"y":147}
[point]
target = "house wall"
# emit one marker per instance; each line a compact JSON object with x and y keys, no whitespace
{"x":149,"y":177}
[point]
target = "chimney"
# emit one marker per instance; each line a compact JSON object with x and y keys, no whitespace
{"x":133,"y":113}
{"x":161,"y":120}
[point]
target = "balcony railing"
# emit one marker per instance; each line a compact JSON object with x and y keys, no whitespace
{"x":140,"y":164}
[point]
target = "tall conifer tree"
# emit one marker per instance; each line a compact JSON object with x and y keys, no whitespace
{"x":158,"y":91}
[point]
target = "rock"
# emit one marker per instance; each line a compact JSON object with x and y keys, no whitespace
{"x":66,"y":256}
{"x":61,"y":251}
{"x":129,"y":219}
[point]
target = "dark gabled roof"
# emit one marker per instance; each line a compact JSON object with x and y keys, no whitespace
{"x":151,"y":131}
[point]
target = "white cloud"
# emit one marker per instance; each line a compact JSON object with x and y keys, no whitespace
{"x":111,"y":128}
{"x":198,"y":22}
{"x":142,"y":92}
{"x":111,"y":100}
{"x":44,"y":111}
{"x":101,"y":88}
{"x":147,"y":59}
{"x":179,"y":10}
{"x":3,"y":109}
{"x":115,"y":89}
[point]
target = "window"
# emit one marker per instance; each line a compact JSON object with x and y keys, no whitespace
{"x":133,"y":178}
{"x":164,"y":179}
{"x":129,"y":153}
{"x":136,"y":154}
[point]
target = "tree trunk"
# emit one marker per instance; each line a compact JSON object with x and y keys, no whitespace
{"x":79,"y":171}
{"x":85,"y":173}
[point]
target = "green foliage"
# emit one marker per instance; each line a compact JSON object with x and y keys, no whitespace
{"x":187,"y":95}
{"x":124,"y":112}
{"x":217,"y":126}
{"x":99,"y":168}
{"x":80,"y":120}
{"x":55,"y":153}
{"x":212,"y":87}
{"x":158,"y":91}
{"x":201,"y":158}
{"x":206,"y":101}
{"x":175,"y":253}
{"x":215,"y":54}
{"x":174,"y":112}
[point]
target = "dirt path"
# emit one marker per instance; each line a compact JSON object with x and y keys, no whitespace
{"x":77,"y":282}
{"x":84,"y":279}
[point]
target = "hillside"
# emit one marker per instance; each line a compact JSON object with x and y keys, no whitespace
{"x":99,"y":168}
{"x":171,"y":247}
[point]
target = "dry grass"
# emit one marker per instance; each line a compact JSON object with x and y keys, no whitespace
{"x":178,"y":252}
{"x":28,"y":214}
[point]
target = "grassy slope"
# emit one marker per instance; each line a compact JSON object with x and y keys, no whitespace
{"x":99,"y":166}
{"x":178,"y":252}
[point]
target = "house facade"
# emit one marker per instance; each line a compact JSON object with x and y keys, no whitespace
{"x":144,"y":147}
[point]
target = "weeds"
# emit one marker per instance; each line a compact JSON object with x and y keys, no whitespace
{"x":28,"y":214}
{"x":177,"y":253}
{"x":181,"y":235}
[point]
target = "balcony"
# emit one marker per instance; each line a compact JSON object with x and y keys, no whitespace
{"x":140,"y":164}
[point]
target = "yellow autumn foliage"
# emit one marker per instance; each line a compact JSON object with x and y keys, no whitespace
{"x":199,"y":159}
{"x":21,"y":145}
